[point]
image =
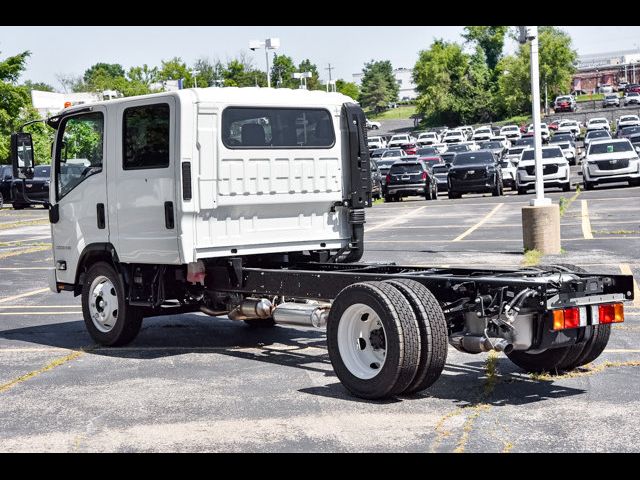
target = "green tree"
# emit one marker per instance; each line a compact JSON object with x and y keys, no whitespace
{"x":557,"y":64}
{"x":175,"y":69}
{"x":13,"y":99}
{"x":209,"y":73}
{"x":102,"y":70}
{"x":489,"y":39}
{"x":43,"y":87}
{"x":282,"y":72}
{"x":238,"y":73}
{"x":349,"y":89}
{"x":144,"y":74}
{"x":379,"y":86}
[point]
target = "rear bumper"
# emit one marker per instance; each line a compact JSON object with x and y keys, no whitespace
{"x":419,"y":189}
{"x":472,"y":186}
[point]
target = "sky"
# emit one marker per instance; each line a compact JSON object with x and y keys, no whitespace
{"x":71,"y":50}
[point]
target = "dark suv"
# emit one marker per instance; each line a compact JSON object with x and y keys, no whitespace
{"x":475,"y":172}
{"x":37,"y":188}
{"x":412,"y":177}
{"x":376,"y":180}
{"x":6,"y":179}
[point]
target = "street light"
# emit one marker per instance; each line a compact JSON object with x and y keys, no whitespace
{"x":303,"y":78}
{"x":268,"y":44}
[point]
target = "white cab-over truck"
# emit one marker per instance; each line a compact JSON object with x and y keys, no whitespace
{"x":250,"y":203}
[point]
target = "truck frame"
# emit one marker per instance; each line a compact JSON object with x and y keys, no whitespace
{"x":250,"y":203}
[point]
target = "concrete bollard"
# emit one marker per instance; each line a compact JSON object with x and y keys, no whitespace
{"x":541,"y":229}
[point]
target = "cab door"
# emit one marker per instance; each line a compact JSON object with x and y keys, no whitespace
{"x":143,"y":183}
{"x":79,"y":190}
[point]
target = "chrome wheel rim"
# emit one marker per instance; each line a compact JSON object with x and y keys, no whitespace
{"x":362,"y":341}
{"x":103,"y":304}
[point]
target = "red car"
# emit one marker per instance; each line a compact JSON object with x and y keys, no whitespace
{"x":409,"y":148}
{"x":554,"y":125}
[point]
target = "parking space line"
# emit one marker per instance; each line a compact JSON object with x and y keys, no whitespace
{"x":395,"y":220}
{"x":22,"y":295}
{"x":479,"y":224}
{"x":586,"y":224}
{"x":27,"y":268}
{"x":16,"y":307}
{"x":626,"y":270}
{"x":42,"y":313}
{"x":49,"y":366}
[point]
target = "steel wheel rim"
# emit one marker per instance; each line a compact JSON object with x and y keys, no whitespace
{"x":362,"y":341}
{"x":103,"y":304}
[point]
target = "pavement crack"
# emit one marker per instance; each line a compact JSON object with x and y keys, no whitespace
{"x":583,"y":371}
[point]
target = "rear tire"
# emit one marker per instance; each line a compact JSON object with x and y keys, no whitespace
{"x":373,"y":340}
{"x":566,"y":188}
{"x":18,"y":206}
{"x":433,"y":333}
{"x":121,"y":322}
{"x":388,"y":199}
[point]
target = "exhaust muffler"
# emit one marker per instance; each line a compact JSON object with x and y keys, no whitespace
{"x":309,"y":314}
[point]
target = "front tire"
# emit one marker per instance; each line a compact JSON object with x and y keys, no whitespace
{"x":373,"y":340}
{"x":111,"y":321}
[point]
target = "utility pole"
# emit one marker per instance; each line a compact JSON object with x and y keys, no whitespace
{"x":330,"y":68}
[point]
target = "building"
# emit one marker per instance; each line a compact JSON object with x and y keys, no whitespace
{"x":407,"y":89}
{"x":606,"y":69}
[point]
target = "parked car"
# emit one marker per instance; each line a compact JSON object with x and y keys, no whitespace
{"x":495,"y":147}
{"x":513,"y":153}
{"x":626,"y":121}
{"x":474,"y":172}
{"x":453,"y":136}
{"x":595,"y":135}
{"x":377,"y":153}
{"x":544,"y":132}
{"x":524,"y":141}
{"x":409,"y":148}
{"x":554,"y":125}
{"x":611,"y":100}
{"x":631,"y":98}
{"x":567,"y":145}
{"x":565,"y":103}
{"x":6,"y":180}
{"x":459,"y":147}
{"x":468,"y":130}
{"x":611,"y":161}
{"x":605,"y":89}
{"x":37,"y":188}
{"x":376,"y":180}
{"x":569,"y":126}
{"x":555,"y":170}
{"x":632,"y":87}
{"x":376,"y":142}
{"x":371,"y":125}
{"x":598,"y":123}
{"x":482,"y":134}
{"x":410,"y":177}
{"x":441,"y":147}
{"x":632,"y":133}
{"x":399,"y":140}
{"x":509,"y":169}
{"x":427,"y":138}
{"x":441,"y":171}
{"x":512,"y":132}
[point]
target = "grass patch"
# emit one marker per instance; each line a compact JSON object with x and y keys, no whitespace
{"x":583,"y":371}
{"x":564,"y":203}
{"x":563,"y":250}
{"x":517,"y":120}
{"x":531,"y":258}
{"x":403,"y":112}
{"x":378,"y":201}
{"x":590,"y":97}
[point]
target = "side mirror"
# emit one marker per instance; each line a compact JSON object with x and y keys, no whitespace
{"x":22,"y":155}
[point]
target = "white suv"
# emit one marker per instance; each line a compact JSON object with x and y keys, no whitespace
{"x":569,"y":126}
{"x":555,"y":170}
{"x":512,"y":132}
{"x":599,"y":123}
{"x":610,"y":161}
{"x":427,"y":138}
{"x":399,"y":140}
{"x":454,"y":136}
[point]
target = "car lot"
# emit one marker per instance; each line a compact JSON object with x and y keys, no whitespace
{"x":192,"y":383}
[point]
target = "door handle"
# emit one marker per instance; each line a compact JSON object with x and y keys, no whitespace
{"x":168,"y":215}
{"x":100,"y":215}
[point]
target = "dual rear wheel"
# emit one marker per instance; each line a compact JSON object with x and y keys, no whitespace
{"x":386,"y":338}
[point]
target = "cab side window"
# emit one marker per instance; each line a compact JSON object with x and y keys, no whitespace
{"x":80,"y":151}
{"x":146,"y":137}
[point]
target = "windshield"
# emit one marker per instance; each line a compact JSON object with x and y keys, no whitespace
{"x":385,"y":163}
{"x":598,"y":134}
{"x":392,"y":153}
{"x":41,"y":172}
{"x":546,"y":153}
{"x":397,"y":138}
{"x":377,"y":153}
{"x":567,"y":124}
{"x":509,"y":129}
{"x":426,"y":151}
{"x":405,"y":168}
{"x":633,"y":94}
{"x":489,"y":145}
{"x":612,"y":96}
{"x":606,"y":147}
{"x":629,"y":119}
{"x":459,"y":148}
{"x":525,"y":141}
{"x":427,"y":135}
{"x":473,"y":158}
{"x":596,"y":121}
{"x":448,"y":157}
{"x":563,"y":99}
{"x":505,"y":164}
{"x":515,"y":151}
{"x":630,"y":130}
{"x":560,"y":138}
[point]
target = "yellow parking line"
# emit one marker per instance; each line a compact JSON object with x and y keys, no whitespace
{"x":22,"y":295}
{"x":388,"y":223}
{"x":49,"y":366}
{"x":479,"y":224}
{"x":626,"y":270}
{"x":586,"y":224}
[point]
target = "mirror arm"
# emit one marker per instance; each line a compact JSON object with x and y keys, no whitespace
{"x":31,"y":123}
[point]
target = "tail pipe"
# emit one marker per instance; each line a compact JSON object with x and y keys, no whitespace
{"x":302,"y":314}
{"x":477,"y":344}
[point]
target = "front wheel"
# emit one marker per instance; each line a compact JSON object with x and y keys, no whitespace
{"x":588,"y":185}
{"x":111,"y":321}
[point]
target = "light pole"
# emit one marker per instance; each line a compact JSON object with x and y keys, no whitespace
{"x":303,"y":78}
{"x":541,"y":219}
{"x":268,"y":44}
{"x":195,"y":73}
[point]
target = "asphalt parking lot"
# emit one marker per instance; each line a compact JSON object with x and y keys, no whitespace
{"x":192,"y":383}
